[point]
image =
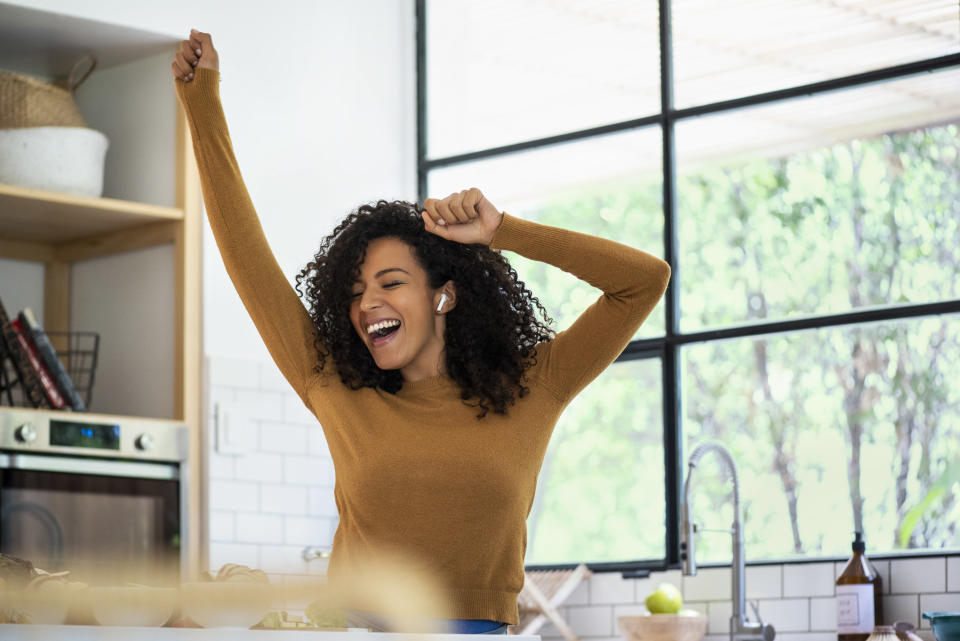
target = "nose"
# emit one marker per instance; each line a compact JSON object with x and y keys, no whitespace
{"x":369,"y":300}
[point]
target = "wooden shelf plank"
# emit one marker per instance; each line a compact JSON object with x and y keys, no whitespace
{"x":46,"y":217}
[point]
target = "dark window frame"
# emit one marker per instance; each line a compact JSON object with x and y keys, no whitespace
{"x":667,"y":347}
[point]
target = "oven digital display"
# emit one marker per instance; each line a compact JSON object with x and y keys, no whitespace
{"x":92,"y":435}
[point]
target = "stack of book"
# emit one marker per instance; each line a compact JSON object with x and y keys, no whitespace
{"x":41,"y":375}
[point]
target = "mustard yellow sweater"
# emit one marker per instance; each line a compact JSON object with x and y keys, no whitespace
{"x":416,"y":471}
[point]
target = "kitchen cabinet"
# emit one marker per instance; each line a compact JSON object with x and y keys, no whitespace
{"x":127,"y":265}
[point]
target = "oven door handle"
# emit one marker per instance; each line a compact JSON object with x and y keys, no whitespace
{"x":99,"y":467}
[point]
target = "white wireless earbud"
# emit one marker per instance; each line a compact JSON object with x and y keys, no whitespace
{"x":443,"y":299}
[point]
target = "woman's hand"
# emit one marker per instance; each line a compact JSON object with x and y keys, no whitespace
{"x":196,"y":52}
{"x":466,"y":217}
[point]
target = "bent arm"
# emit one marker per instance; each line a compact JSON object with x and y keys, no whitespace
{"x":632,"y":282}
{"x":268,"y":296}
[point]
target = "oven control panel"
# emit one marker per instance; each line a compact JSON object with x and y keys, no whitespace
{"x":83,"y":434}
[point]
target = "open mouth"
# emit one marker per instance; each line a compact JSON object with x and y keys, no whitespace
{"x":383,"y":331}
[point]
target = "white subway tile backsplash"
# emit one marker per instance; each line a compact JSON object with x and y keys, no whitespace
{"x":953,"y":574}
{"x":234,"y":495}
{"x":764,"y":581}
{"x":283,"y":559}
{"x":296,"y":412}
{"x":628,"y":610}
{"x":259,"y":405}
{"x":901,"y":607}
{"x":787,"y":615}
{"x":909,"y":576}
{"x":233,"y":372}
{"x":219,"y":395}
{"x":259,"y":528}
{"x":240,"y":553}
{"x":611,"y":588}
{"x":808,"y":579}
{"x":718,"y":616}
{"x":259,"y":466}
{"x":305,"y":530}
{"x":321,"y":502}
{"x":317,"y":442}
{"x":709,"y":584}
{"x":591,"y":620}
{"x":304,"y":470}
{"x":669,"y":576}
{"x":579,"y":596}
{"x":938,"y":603}
{"x":644,"y":587}
{"x":278,"y":437}
{"x":823,"y":614}
{"x":220,"y":466}
{"x":221,"y":526}
{"x":271,"y":379}
{"x":698,"y":606}
{"x":283,"y":499}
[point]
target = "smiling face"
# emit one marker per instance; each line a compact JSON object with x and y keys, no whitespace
{"x":393,"y":298}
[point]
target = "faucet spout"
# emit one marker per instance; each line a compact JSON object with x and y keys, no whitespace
{"x":741,"y":628}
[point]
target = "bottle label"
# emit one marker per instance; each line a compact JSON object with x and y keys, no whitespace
{"x":855,"y":609}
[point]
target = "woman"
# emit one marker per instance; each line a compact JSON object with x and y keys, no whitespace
{"x":423,"y":359}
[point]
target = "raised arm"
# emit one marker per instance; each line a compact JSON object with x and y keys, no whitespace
{"x":270,"y":299}
{"x":632,"y":282}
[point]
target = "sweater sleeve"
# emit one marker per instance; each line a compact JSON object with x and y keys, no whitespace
{"x":632,"y":282}
{"x":273,"y":304}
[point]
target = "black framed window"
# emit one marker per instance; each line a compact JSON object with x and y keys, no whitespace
{"x":797,"y":165}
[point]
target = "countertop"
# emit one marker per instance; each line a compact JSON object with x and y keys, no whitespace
{"x":11,"y":632}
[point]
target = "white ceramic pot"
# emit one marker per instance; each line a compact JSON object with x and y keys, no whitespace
{"x":62,"y":159}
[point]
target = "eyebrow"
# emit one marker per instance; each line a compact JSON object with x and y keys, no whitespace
{"x":390,"y":269}
{"x":386,"y":271}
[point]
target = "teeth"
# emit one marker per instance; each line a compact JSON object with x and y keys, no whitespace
{"x":376,"y":327}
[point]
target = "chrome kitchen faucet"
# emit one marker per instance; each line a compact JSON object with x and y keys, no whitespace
{"x":741,"y":628}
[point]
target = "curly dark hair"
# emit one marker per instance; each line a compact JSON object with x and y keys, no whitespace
{"x":490,"y":334}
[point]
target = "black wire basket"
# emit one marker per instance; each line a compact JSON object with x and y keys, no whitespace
{"x":78,"y":351}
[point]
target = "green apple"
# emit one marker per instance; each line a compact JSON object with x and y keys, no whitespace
{"x":665,"y":600}
{"x":687,"y":612}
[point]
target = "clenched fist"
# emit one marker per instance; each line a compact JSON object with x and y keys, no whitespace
{"x":466,"y":217}
{"x":196,"y":52}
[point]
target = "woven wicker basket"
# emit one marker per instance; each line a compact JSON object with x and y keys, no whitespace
{"x":26,"y":101}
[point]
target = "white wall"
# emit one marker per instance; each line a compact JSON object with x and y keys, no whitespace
{"x":320,"y":99}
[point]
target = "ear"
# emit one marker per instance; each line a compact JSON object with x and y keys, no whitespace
{"x":446,"y":298}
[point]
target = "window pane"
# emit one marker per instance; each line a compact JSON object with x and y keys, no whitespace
{"x":724,"y":50}
{"x":608,"y":186}
{"x":793,"y":408}
{"x":504,"y":71}
{"x":811,"y":207}
{"x":600,"y":492}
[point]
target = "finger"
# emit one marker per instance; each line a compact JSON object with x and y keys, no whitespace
{"x":176,"y":71}
{"x":471,"y":198}
{"x":201,"y":39}
{"x":430,"y":204}
{"x":446,"y":216}
{"x":433,"y":227}
{"x":456,"y":208}
{"x":188,"y":53}
{"x":185,"y":67}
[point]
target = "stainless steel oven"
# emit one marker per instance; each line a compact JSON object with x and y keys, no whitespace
{"x":101,"y":496}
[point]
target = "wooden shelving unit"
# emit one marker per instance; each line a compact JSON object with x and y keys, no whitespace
{"x":61,"y":231}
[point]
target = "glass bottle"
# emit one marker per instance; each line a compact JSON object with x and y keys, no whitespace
{"x":859,"y":590}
